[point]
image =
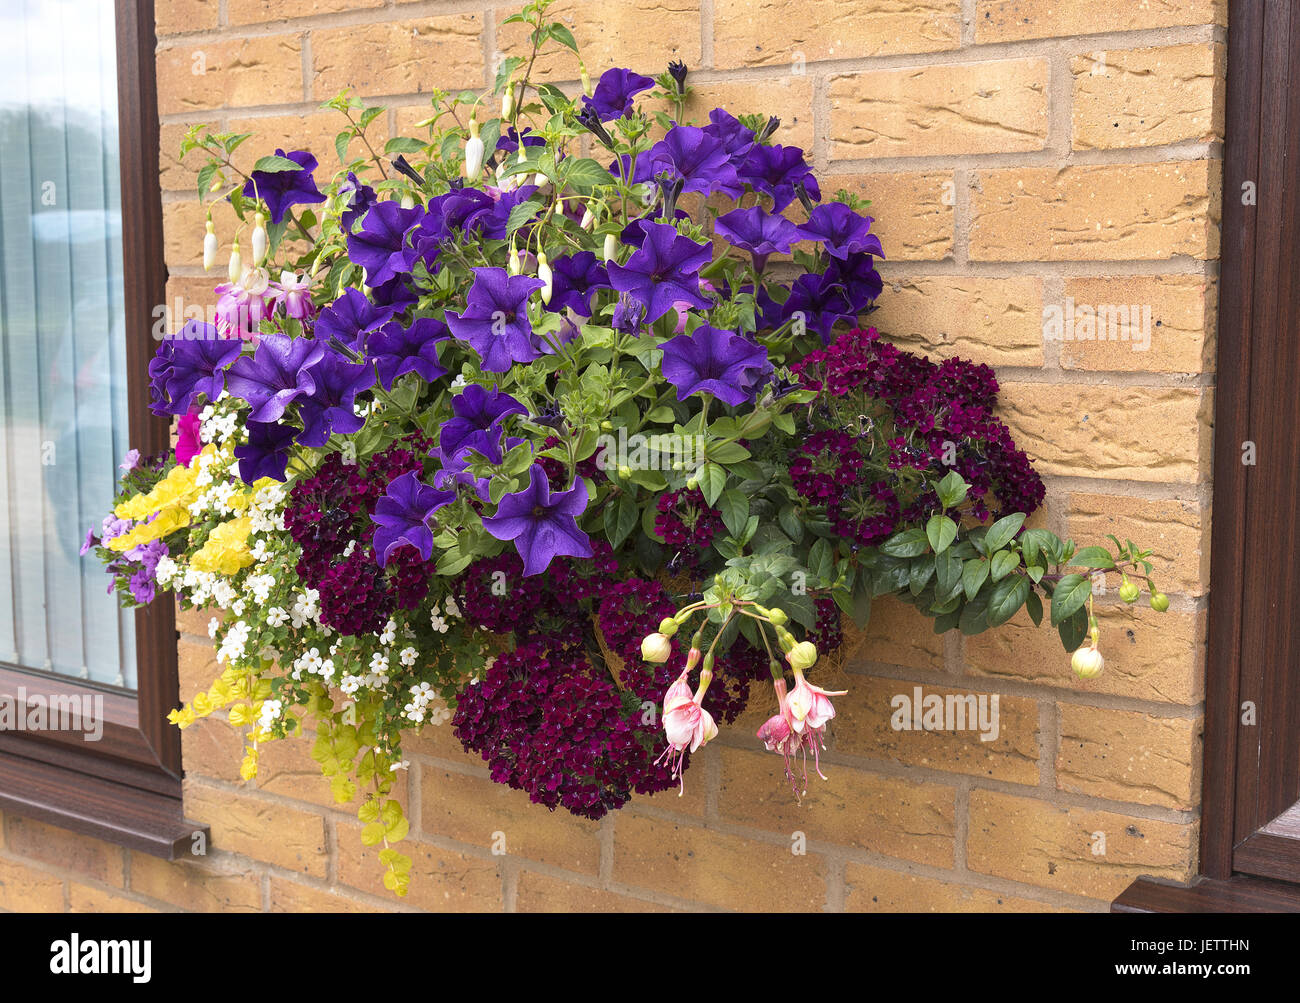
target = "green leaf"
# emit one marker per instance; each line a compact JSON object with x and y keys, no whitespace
{"x":734,"y":507}
{"x":521,"y":214}
{"x":973,"y":575}
{"x":1073,"y":629}
{"x":1004,"y":562}
{"x":1002,"y":532}
{"x":584,"y":173}
{"x":861,"y":607}
{"x":341,"y":143}
{"x":920,"y":573}
{"x":947,"y":568}
{"x":940,"y":531}
{"x":1068,"y":597}
{"x":951,"y":490}
{"x":974,"y":617}
{"x":1035,"y":607}
{"x":790,"y":523}
{"x":276,"y":165}
{"x":1007,"y":597}
{"x":1093,"y":557}
{"x":620,"y":518}
{"x":403,"y":144}
{"x":564,"y":36}
{"x":821,"y":561}
{"x":727,"y":452}
{"x":909,"y":543}
{"x":205,"y":177}
{"x":712,"y":480}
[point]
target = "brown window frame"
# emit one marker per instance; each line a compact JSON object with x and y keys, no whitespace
{"x":125,"y":788}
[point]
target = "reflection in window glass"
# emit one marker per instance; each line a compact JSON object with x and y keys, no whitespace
{"x":63,"y":402}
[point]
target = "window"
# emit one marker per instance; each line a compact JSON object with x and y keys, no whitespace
{"x":81,"y":267}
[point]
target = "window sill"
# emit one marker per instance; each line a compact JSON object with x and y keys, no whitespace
{"x":146,"y":820}
{"x":1238,"y":894}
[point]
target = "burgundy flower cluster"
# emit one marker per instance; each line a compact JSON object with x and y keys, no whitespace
{"x":329,"y":518}
{"x":688,"y":523}
{"x":943,"y":416}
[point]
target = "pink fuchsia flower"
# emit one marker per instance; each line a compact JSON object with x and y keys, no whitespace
{"x":243,"y":305}
{"x":294,"y":291}
{"x":687,"y":724}
{"x":188,"y":445}
{"x":809,"y":705}
{"x":799,"y":725}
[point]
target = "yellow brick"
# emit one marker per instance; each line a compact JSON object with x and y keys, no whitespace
{"x":789,"y":99}
{"x":211,"y":748}
{"x":84,"y":898}
{"x":198,"y":666}
{"x":913,"y":213}
{"x":541,"y":893}
{"x":1009,"y":20}
{"x":193,"y":621}
{"x":290,"y":896}
{"x":988,"y":320}
{"x":1177,"y":532}
{"x":1105,"y":212}
{"x":172,"y":17}
{"x":1137,"y":433}
{"x":254,"y":11}
{"x":1053,"y":847}
{"x":183,"y":230}
{"x":1149,"y":655}
{"x":196,"y":887}
{"x":795,"y":32}
{"x":441,"y":880}
{"x":94,"y":858}
{"x":314,"y":133}
{"x":175,"y":173}
{"x":25,"y":888}
{"x":1148,"y":97}
{"x":1180,"y":337}
{"x":899,"y":817}
{"x":260,"y":829}
{"x":476,"y":811}
{"x":897,"y":634}
{"x":630,"y":33}
{"x":866,"y":718}
{"x":440,"y":742}
{"x":235,"y":73}
{"x":398,"y":57}
{"x":1129,"y":756}
{"x":989,"y":107}
{"x":875,"y":889}
{"x":716,"y":868}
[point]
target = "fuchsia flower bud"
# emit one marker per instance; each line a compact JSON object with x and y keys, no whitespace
{"x":656,"y":648}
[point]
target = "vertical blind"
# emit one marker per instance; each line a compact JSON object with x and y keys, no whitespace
{"x":63,"y":399}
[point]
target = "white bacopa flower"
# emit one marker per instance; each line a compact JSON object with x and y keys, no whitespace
{"x":437,"y":622}
{"x":408,"y":655}
{"x":276,"y":616}
{"x":213,"y":625}
{"x":389,"y":634}
{"x":452,"y":609}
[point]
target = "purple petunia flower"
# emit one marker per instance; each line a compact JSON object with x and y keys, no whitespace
{"x":511,"y":140}
{"x":858,"y":277}
{"x":362,"y":198}
{"x":842,"y":231}
{"x":614,"y":93}
{"x":131,"y":460}
{"x":266,"y":453}
{"x":276,"y":375}
{"x":717,"y":362}
{"x":495,"y":320}
{"x":191,"y":363}
{"x":758,"y":232}
{"x":477,"y":417}
{"x":820,"y":302}
{"x":379,"y":246}
{"x":89,"y":543}
{"x":350,"y":318}
{"x":694,"y":157}
{"x":542,"y":524}
{"x":330,"y":408}
{"x":777,"y":171}
{"x":282,"y":189}
{"x":736,"y":139}
{"x":397,"y":350}
{"x":576,"y":277}
{"x":402,"y":515}
{"x":663,"y":271}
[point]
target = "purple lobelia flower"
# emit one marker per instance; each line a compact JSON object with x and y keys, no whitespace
{"x":614,"y":93}
{"x":330,"y":408}
{"x":777,"y":171}
{"x":267,"y":452}
{"x":276,"y":375}
{"x":720,"y":363}
{"x":758,"y":232}
{"x":663,"y":271}
{"x":575,"y":278}
{"x":191,"y":363}
{"x":379,"y":245}
{"x":351,"y":318}
{"x":842,"y":231}
{"x":495,"y":320}
{"x":282,"y":189}
{"x":694,"y":157}
{"x":397,"y":350}
{"x":403,"y":513}
{"x":361,"y":198}
{"x":542,"y":524}
{"x":477,"y":417}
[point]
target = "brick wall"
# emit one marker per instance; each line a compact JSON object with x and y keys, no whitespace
{"x":1019,"y":153}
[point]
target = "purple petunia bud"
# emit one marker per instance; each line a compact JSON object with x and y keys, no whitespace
{"x":677,"y":70}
